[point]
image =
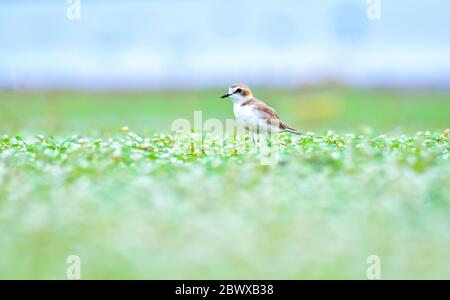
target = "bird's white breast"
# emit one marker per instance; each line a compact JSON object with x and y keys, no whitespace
{"x":247,"y":116}
{"x":244,"y":113}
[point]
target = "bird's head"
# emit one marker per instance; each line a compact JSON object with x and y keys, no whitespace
{"x":238,"y":93}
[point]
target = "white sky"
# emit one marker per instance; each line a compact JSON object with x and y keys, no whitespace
{"x":199,"y":43}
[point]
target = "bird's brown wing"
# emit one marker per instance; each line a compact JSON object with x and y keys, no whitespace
{"x":270,"y":115}
{"x":266,"y":112}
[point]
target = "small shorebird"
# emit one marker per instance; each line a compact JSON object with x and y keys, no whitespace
{"x":253,"y":114}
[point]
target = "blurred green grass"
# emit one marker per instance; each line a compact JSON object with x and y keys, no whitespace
{"x":149,"y":207}
{"x":309,"y":109}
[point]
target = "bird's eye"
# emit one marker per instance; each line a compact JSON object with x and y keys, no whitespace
{"x":238,"y":91}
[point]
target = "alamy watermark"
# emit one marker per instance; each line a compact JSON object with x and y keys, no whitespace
{"x":264,"y":140}
{"x":73,"y":270}
{"x":374,"y":268}
{"x":73,"y":9}
{"x":373,"y":9}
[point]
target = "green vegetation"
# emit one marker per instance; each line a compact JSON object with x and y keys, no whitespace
{"x":146,"y":203}
{"x":317,"y":110}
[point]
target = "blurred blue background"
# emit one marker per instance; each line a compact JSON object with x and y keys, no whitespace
{"x":197,"y":43}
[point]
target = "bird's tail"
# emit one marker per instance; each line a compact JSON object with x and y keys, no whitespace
{"x":292,"y":130}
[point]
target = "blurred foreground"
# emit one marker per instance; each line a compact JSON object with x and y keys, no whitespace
{"x":147,"y":207}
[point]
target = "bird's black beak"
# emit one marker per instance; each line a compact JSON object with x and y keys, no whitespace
{"x":225,"y":96}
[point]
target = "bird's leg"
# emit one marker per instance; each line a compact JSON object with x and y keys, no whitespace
{"x":255,"y":137}
{"x":268,"y":140}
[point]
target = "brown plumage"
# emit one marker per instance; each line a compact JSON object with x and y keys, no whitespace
{"x":254,"y":113}
{"x":246,"y":92}
{"x":270,"y":115}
